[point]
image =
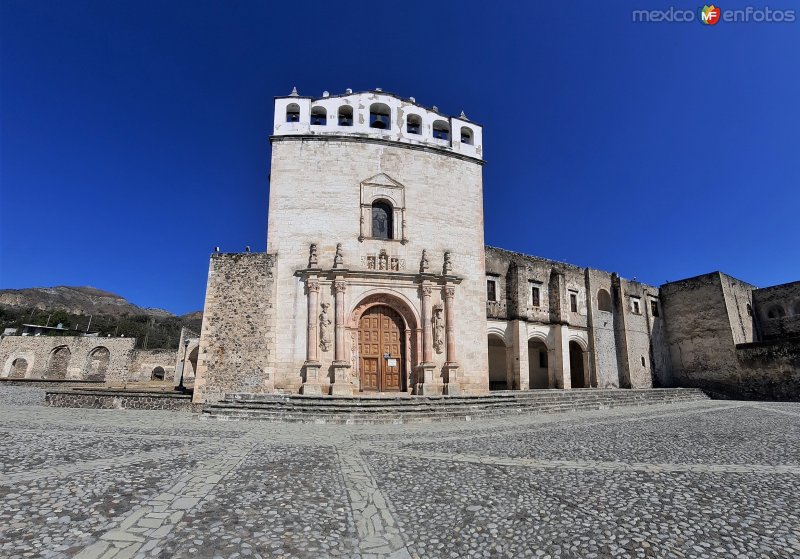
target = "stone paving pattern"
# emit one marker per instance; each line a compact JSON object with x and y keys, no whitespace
{"x":702,"y":479}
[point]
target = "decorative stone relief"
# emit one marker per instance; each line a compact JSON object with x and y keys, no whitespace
{"x":324,"y":328}
{"x":438,"y":328}
{"x":338,"y":260}
{"x":424,"y":265}
{"x":383,"y":261}
{"x":448,"y":264}
{"x":312,"y":256}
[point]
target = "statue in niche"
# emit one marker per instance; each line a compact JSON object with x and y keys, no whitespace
{"x":312,"y":256}
{"x":324,"y":328}
{"x":338,"y":260}
{"x":423,"y":263}
{"x":438,"y":328}
{"x":383,"y":260}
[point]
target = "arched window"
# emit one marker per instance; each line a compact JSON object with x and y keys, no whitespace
{"x":776,"y":311}
{"x":382,"y":223}
{"x":345,"y":115}
{"x":414,"y":124}
{"x":441,"y":130}
{"x":319,"y":116}
{"x":380,"y":116}
{"x":158,"y":374}
{"x":604,"y":300}
{"x":466,"y":135}
{"x":293,"y":112}
{"x":19,"y":368}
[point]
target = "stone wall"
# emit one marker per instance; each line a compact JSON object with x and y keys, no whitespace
{"x":778,"y":311}
{"x":145,"y":363}
{"x":622,"y":345}
{"x":768,"y":371}
{"x":66,"y":357}
{"x":238,"y":334}
{"x":118,"y":400}
{"x":699,"y":335}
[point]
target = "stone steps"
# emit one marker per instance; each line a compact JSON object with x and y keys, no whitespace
{"x":418,"y":409}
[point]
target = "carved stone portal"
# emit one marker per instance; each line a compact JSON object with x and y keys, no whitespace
{"x":324,"y":328}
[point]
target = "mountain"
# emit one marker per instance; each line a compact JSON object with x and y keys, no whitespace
{"x":111,"y":314}
{"x":74,"y":300}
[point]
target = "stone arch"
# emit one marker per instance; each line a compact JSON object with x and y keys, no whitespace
{"x":97,"y":363}
{"x":382,"y":219}
{"x":412,"y":325}
{"x":58,"y":363}
{"x":319,"y":115}
{"x":380,"y":116}
{"x":578,"y":361}
{"x":540,"y":368}
{"x":19,"y":368}
{"x":193,"y":356}
{"x":158,"y":373}
{"x":498,"y":361}
{"x":9,"y":367}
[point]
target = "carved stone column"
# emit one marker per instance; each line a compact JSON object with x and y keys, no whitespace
{"x":451,"y":364}
{"x":429,"y":384}
{"x":341,"y":367}
{"x":311,"y":384}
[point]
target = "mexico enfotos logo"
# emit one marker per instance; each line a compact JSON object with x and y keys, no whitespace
{"x":711,"y":15}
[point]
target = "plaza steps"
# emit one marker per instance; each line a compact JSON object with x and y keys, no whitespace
{"x":422,"y":409}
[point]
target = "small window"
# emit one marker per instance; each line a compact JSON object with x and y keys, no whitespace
{"x":319,"y":116}
{"x":604,"y":300}
{"x":414,"y":124}
{"x":491,"y":290}
{"x":466,"y":135}
{"x":380,"y":116}
{"x":382,"y":221}
{"x":157,"y":374}
{"x":441,"y":130}
{"x":345,"y":115}
{"x":654,"y":308}
{"x":573,"y":302}
{"x":293,"y":113}
{"x":635,"y":306}
{"x":776,"y":312}
{"x":542,"y":359}
{"x":643,"y":362}
{"x":749,"y":310}
{"x":535,"y":297}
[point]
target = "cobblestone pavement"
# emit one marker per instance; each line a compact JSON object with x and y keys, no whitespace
{"x":705,"y":479}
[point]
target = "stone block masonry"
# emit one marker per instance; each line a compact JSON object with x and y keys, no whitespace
{"x":66,"y":357}
{"x":238,"y":332}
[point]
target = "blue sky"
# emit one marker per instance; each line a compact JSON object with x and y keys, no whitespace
{"x":135,"y":134}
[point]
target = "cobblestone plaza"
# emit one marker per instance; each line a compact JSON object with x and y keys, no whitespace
{"x":702,"y":479}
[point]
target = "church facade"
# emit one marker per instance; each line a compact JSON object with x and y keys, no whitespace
{"x":376,"y":279}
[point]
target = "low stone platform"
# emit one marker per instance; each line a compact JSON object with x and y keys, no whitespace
{"x":121,"y":398}
{"x":422,"y":409}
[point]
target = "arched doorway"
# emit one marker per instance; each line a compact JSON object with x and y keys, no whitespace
{"x":59,"y":361}
{"x":157,"y":374}
{"x":498,"y":370}
{"x":97,"y":363}
{"x":381,"y":350}
{"x":538,"y":364}
{"x":577,"y":373}
{"x":19,"y":368}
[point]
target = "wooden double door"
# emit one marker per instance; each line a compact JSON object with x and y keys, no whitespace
{"x":381,"y":350}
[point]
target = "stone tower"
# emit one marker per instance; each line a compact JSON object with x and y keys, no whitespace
{"x":374,"y":275}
